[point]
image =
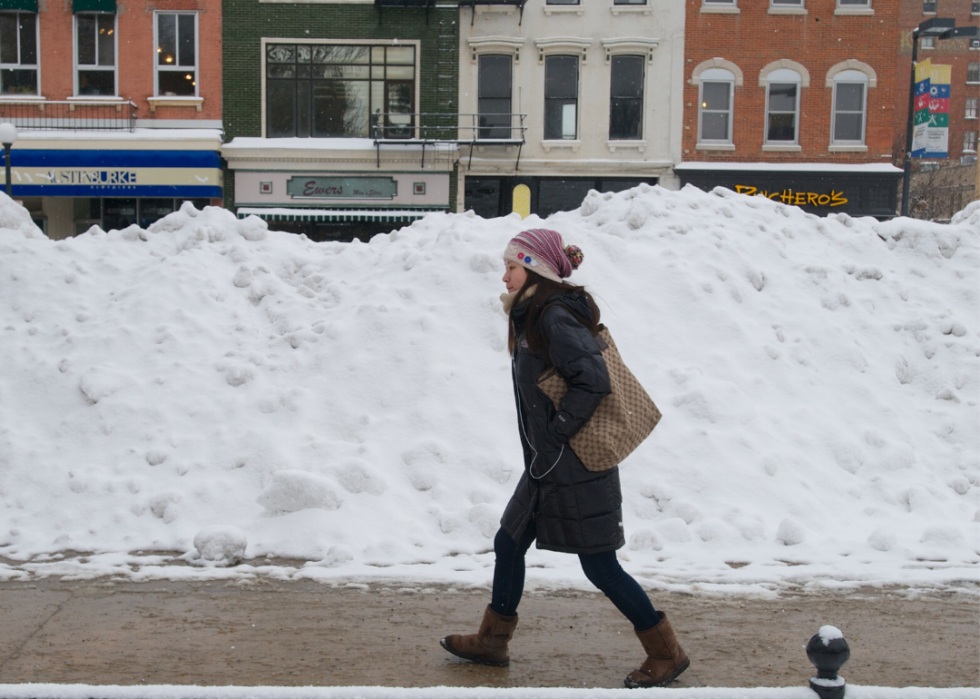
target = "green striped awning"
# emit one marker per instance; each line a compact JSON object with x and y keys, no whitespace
{"x":93,"y":6}
{"x":22,"y":5}
{"x":335,"y":215}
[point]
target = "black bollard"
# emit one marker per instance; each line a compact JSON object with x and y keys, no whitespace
{"x":828,"y":651}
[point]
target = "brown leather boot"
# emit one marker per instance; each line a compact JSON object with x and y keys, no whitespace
{"x":665,"y":657}
{"x":487,"y":646}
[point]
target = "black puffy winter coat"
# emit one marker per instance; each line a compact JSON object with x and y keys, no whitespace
{"x":575,"y":510}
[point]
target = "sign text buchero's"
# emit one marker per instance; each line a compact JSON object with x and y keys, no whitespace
{"x":795,"y":198}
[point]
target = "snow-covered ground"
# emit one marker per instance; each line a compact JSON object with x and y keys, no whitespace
{"x":344,"y":411}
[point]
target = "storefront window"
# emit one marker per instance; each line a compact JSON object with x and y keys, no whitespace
{"x":560,"y":97}
{"x":95,"y":46}
{"x":116,"y":213}
{"x":18,"y":53}
{"x":176,"y":54}
{"x":326,"y":91}
{"x":495,"y":96}
{"x":626,"y":98}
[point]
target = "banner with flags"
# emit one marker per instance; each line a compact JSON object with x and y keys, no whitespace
{"x":937,"y":137}
{"x":920,"y":128}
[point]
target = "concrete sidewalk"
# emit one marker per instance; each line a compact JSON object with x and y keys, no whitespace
{"x":303,"y":633}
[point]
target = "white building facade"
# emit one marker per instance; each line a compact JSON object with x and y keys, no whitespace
{"x":565,"y":96}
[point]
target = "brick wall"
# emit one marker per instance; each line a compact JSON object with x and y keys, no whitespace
{"x":818,"y":40}
{"x":136,"y":54}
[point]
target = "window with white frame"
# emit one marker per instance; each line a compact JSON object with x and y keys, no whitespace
{"x":782,"y":107}
{"x":18,"y":53}
{"x":176,"y":42}
{"x":972,"y":107}
{"x":719,"y":2}
{"x":494,"y":101}
{"x":927,"y":42}
{"x":629,"y":2}
{"x":973,"y":72}
{"x":929,"y":7}
{"x":95,"y":55}
{"x":562,"y":2}
{"x":847,"y":4}
{"x":339,"y":90}
{"x":717,"y":92}
{"x":970,"y":141}
{"x":786,"y":3}
{"x":850,"y":108}
{"x":626,"y":98}
{"x":560,"y":97}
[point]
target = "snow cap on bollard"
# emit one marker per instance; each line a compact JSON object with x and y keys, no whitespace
{"x":828,"y":651}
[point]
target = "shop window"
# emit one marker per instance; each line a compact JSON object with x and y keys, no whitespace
{"x":95,"y":52}
{"x":969,"y":141}
{"x":18,"y":53}
{"x":494,"y":101}
{"x":482,"y":196}
{"x":560,"y":97}
{"x":176,"y":42}
{"x":850,"y":107}
{"x":626,"y":98}
{"x":972,"y":107}
{"x":715,"y":117}
{"x":782,"y":106}
{"x":973,"y":72}
{"x":321,"y":90}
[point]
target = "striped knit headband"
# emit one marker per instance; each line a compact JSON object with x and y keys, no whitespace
{"x":541,"y":251}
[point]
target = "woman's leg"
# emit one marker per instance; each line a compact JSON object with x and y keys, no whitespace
{"x":508,"y":571}
{"x":603,"y":571}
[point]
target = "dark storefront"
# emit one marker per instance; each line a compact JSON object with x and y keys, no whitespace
{"x":857,"y":190}
{"x":490,"y":197}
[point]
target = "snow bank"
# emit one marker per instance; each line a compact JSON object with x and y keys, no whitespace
{"x":350,"y":404}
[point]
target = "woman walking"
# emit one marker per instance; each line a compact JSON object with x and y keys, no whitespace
{"x":558,"y":502}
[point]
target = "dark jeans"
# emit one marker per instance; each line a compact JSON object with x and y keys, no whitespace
{"x":602,"y":570}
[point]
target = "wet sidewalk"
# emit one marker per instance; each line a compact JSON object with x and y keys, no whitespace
{"x":302,"y":633}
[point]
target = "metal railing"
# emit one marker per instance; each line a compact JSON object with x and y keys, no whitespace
{"x":448,"y":128}
{"x":394,"y":129}
{"x":70,"y":115}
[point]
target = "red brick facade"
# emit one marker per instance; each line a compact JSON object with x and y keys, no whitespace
{"x":953,"y":52}
{"x":818,"y":37}
{"x":136,"y":55}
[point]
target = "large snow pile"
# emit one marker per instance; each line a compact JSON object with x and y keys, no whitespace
{"x":350,"y":404}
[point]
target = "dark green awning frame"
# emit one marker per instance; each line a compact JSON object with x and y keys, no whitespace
{"x":326,"y":216}
{"x":23,"y":5}
{"x":93,"y":6}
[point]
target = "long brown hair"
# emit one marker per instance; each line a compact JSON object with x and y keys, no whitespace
{"x":544,"y":295}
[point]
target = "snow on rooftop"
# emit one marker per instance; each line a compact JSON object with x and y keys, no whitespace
{"x":819,"y":379}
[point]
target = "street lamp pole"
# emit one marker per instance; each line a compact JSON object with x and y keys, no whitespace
{"x":8,"y":134}
{"x":940,"y":28}
{"x":907,"y":175}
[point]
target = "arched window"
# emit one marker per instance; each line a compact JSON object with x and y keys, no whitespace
{"x":850,"y":108}
{"x":783,"y":106}
{"x":715,"y":100}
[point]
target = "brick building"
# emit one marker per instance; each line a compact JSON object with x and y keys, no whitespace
{"x":118,"y":108}
{"x":341,"y":116}
{"x":794,"y":100}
